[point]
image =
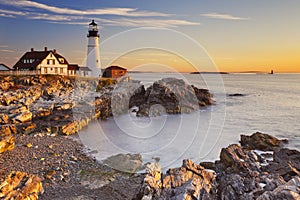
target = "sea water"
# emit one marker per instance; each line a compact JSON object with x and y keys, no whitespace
{"x":268,"y":103}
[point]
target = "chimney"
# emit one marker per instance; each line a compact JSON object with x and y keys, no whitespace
{"x":46,"y":49}
{"x":54,"y":51}
{"x":32,"y":49}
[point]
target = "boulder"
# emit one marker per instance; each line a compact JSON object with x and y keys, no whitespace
{"x":236,"y":159}
{"x":7,"y":143}
{"x":261,"y":141}
{"x":20,"y":185}
{"x":286,"y":163}
{"x":191,"y":181}
{"x":22,"y":117}
{"x":289,"y":190}
{"x":69,"y":128}
{"x":4,"y":118}
{"x":129,"y":163}
{"x":173,"y":95}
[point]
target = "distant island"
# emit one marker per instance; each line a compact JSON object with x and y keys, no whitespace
{"x":209,"y":73}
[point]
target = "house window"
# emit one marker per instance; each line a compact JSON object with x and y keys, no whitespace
{"x":56,"y":70}
{"x":51,"y":69}
{"x":45,"y":70}
{"x":61,"y":70}
{"x":61,"y":60}
{"x":53,"y":61}
{"x":48,"y":62}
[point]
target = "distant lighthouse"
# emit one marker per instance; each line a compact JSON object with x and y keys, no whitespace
{"x":93,"y":54}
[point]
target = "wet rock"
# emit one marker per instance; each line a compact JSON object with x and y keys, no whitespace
{"x":125,"y":162}
{"x":173,"y":95}
{"x":19,"y":185}
{"x":191,"y":181}
{"x":121,"y":95}
{"x":236,"y":95}
{"x":261,"y":141}
{"x":236,"y":159}
{"x":290,"y":190}
{"x":286,"y":163}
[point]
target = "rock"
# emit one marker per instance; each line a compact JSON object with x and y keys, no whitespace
{"x":122,"y":95}
{"x":4,"y":118}
{"x":261,"y":141}
{"x":70,"y":128}
{"x":7,"y":143}
{"x":290,"y":190}
{"x":129,"y":163}
{"x":7,"y":140}
{"x":236,"y":159}
{"x":171,"y":94}
{"x":27,"y":128}
{"x":191,"y":181}
{"x":22,"y":117}
{"x":286,"y":163}
{"x":236,"y":95}
{"x":19,"y":185}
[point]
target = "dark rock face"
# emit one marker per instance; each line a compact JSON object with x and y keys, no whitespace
{"x":172,"y":95}
{"x":261,"y":141}
{"x":286,"y":163}
{"x":236,"y":95}
{"x":245,"y":173}
{"x":241,"y":173}
{"x":191,"y":181}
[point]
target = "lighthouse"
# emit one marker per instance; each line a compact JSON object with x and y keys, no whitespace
{"x":93,"y":54}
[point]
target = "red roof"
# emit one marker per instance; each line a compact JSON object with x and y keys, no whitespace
{"x":115,"y":68}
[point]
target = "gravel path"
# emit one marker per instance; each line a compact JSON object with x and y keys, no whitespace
{"x":67,"y":172}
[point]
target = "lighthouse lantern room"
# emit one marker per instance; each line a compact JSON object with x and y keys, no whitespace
{"x":93,"y":54}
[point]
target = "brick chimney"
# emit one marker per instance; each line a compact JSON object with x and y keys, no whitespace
{"x":46,"y":49}
{"x":32,"y":49}
{"x":54,"y":51}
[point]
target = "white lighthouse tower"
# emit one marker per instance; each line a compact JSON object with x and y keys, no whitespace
{"x":93,"y":54}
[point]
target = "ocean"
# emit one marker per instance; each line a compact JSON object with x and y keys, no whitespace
{"x":269,"y":104}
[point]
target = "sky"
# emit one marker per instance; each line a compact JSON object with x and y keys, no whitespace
{"x":159,"y":35}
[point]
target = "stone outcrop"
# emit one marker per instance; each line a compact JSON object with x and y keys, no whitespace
{"x":169,"y":95}
{"x":55,"y":104}
{"x":243,"y":172}
{"x":191,"y":181}
{"x":19,"y":185}
{"x":261,"y":141}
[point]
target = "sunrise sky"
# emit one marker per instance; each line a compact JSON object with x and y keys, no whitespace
{"x":238,"y":35}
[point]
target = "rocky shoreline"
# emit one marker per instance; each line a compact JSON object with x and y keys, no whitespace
{"x":41,"y":155}
{"x":261,"y":168}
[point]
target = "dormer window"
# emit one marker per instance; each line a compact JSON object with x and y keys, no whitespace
{"x":61,"y":60}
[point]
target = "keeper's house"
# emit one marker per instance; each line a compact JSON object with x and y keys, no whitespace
{"x":45,"y":62}
{"x":114,"y":72}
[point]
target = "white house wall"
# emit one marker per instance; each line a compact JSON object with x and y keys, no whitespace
{"x":48,"y":67}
